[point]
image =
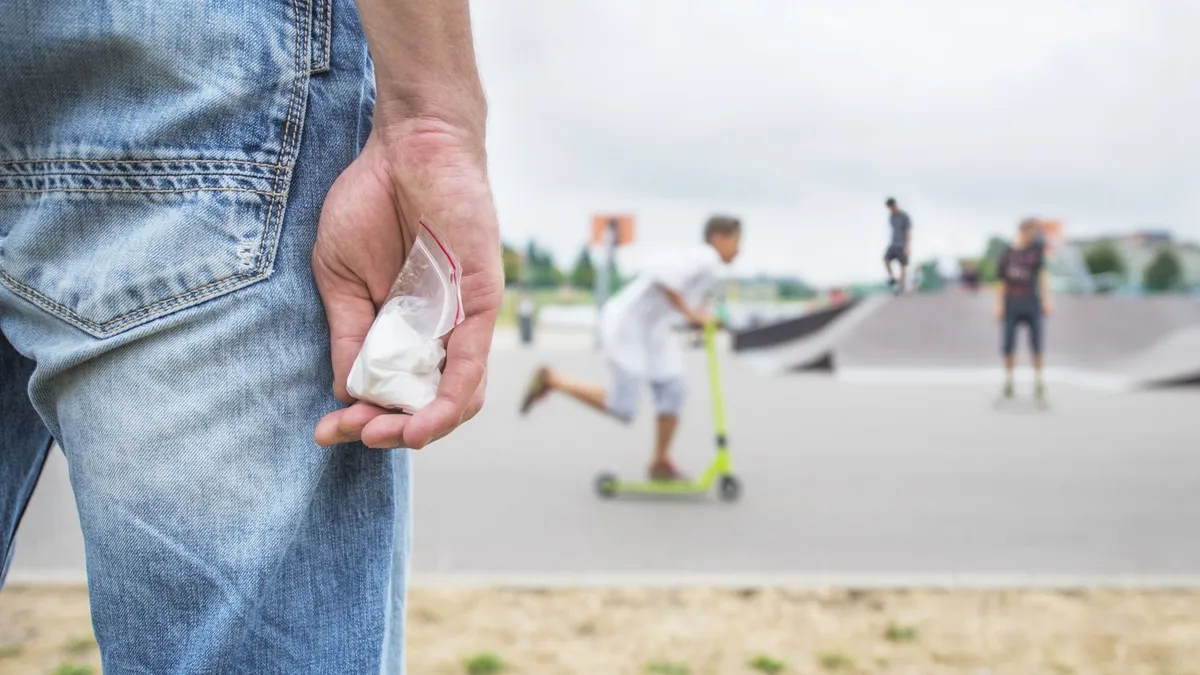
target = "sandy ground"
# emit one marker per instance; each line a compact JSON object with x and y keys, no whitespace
{"x":700,"y":631}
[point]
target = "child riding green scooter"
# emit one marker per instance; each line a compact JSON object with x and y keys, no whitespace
{"x":636,"y":332}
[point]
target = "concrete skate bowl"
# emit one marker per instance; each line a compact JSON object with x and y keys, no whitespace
{"x":1104,"y":341}
{"x":1095,"y":341}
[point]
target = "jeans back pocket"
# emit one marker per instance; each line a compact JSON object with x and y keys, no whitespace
{"x":146,"y":149}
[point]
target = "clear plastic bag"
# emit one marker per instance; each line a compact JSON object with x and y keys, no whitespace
{"x":400,"y":364}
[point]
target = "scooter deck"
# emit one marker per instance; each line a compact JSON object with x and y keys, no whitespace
{"x":662,"y":487}
{"x":726,"y":485}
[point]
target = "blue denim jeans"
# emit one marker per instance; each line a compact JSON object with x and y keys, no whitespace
{"x":162,"y":168}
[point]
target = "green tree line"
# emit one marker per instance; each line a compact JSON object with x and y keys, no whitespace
{"x":535,"y":267}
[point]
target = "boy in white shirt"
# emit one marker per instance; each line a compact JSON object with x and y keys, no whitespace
{"x":637,"y":341}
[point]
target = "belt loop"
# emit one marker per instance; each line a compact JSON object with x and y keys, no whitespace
{"x":321,"y":34}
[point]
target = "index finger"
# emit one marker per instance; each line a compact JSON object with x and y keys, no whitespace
{"x":466,"y":360}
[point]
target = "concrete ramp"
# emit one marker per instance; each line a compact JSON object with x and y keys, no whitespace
{"x":1105,"y":342}
{"x":789,"y":330}
{"x":1173,"y":360}
{"x":1093,"y":341}
{"x":815,"y":350}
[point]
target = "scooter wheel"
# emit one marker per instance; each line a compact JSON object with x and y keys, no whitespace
{"x":606,"y":485}
{"x":730,"y":488}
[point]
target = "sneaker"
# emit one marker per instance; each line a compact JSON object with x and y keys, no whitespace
{"x":665,"y":472}
{"x":538,"y":387}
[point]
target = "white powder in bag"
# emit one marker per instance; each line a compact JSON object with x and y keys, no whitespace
{"x":396,"y":368}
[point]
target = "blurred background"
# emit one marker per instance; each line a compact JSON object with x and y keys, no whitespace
{"x":893,"y":518}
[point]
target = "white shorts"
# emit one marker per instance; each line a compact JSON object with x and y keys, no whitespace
{"x":622,"y":400}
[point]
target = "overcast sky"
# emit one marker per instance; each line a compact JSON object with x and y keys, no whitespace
{"x":801,"y":116}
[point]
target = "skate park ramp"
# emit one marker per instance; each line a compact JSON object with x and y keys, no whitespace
{"x":784,"y":332}
{"x":1104,"y":342}
{"x":800,"y":345}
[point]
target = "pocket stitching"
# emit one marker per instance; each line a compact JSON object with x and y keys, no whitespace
{"x":140,"y":191}
{"x":116,"y":324}
{"x":273,"y":222}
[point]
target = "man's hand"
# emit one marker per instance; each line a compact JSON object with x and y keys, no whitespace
{"x":1047,"y":307}
{"x":998,"y":312}
{"x":420,"y":168}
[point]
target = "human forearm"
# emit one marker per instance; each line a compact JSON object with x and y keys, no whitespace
{"x":677,"y":301}
{"x":424,"y":64}
{"x":424,"y":162}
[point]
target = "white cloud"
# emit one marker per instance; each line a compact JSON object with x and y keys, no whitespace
{"x":802,"y":116}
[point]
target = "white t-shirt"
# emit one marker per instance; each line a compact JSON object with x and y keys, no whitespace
{"x":635,"y":325}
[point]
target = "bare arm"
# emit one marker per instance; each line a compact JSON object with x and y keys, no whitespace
{"x":425,"y":158}
{"x":695,"y":316}
{"x":1000,"y":291}
{"x":424,"y":63}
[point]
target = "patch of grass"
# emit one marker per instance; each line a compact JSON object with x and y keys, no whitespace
{"x":900,"y":633}
{"x":484,"y":663}
{"x":664,"y":668}
{"x":765,"y":664}
{"x":834,"y":661}
{"x":11,"y":651}
{"x":881,"y":662}
{"x":74,"y":669}
{"x":80,"y":645}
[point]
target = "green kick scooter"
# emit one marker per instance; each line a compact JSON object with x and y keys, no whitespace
{"x":719,"y":472}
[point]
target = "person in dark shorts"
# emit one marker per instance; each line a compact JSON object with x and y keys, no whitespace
{"x":898,"y":247}
{"x":1023,"y":297}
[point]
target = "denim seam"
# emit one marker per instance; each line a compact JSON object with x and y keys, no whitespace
{"x":147,"y":174}
{"x":118,"y":323}
{"x":322,"y":27}
{"x":138,"y":191}
{"x":137,"y":160}
{"x":328,"y":34}
{"x":136,"y":175}
{"x":267,"y":244}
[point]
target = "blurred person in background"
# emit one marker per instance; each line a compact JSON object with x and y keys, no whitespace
{"x":639,"y":344}
{"x":969,"y":279}
{"x":526,"y":311}
{"x":899,"y":246}
{"x":1023,"y":297}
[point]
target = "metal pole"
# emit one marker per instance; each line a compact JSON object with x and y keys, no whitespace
{"x":603,"y":272}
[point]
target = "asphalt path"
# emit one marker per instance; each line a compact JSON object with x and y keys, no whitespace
{"x":841,"y":481}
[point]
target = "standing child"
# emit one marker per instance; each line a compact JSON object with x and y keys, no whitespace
{"x":637,"y":341}
{"x":1023,"y":297}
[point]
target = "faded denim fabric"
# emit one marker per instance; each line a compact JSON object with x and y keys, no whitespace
{"x":162,"y":169}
